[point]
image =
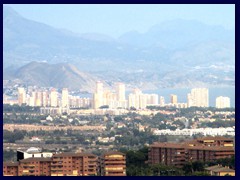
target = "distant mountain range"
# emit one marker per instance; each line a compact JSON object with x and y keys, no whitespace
{"x":178,"y":53}
{"x":53,"y":75}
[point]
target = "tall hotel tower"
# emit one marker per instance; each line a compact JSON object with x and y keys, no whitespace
{"x":198,"y":97}
{"x":98,"y":95}
{"x":65,"y":97}
{"x":121,"y":97}
{"x":173,"y":98}
{"x":21,"y":96}
{"x":222,"y":102}
{"x":54,"y":98}
{"x":120,"y":92}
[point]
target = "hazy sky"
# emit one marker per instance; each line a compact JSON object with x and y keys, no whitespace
{"x":115,"y":20}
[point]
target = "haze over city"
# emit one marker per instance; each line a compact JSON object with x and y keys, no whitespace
{"x":119,"y":90}
{"x":115,"y":20}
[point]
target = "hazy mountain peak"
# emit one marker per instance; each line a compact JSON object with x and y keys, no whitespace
{"x":187,"y":43}
{"x":177,"y":24}
{"x":9,"y":11}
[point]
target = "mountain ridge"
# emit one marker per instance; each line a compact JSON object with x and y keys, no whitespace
{"x":53,"y":75}
{"x":136,"y":59}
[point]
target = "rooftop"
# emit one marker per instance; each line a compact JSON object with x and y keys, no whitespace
{"x":36,"y":159}
{"x":168,"y":145}
{"x":68,"y":154}
{"x":219,"y":168}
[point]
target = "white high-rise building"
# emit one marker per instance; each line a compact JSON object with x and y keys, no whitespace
{"x":137,"y":99}
{"x":110,"y":99}
{"x":21,"y":96}
{"x":45,"y":98}
{"x":173,"y":98}
{"x":65,"y":100}
{"x":39,"y":98}
{"x":120,"y":92}
{"x":222,"y":102}
{"x":121,"y":96}
{"x":131,"y":100}
{"x":54,"y":98}
{"x":152,"y":99}
{"x":98,"y":95}
{"x":32,"y":99}
{"x":198,"y":97}
{"x":162,"y":101}
{"x":142,"y":101}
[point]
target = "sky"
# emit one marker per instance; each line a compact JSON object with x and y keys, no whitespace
{"x":115,"y":20}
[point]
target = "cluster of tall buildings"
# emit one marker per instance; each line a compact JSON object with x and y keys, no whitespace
{"x":51,"y":98}
{"x":116,"y":99}
{"x":198,"y":97}
{"x":113,"y":100}
{"x":66,"y":164}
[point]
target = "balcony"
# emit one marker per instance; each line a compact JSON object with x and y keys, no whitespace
{"x":57,"y":163}
{"x":115,"y":162}
{"x":56,"y":168}
{"x":31,"y":171}
{"x":56,"y":171}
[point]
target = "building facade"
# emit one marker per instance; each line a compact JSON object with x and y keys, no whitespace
{"x":202,"y":149}
{"x":74,"y":164}
{"x":222,"y":102}
{"x":173,"y":99}
{"x":198,"y":97}
{"x":112,"y":164}
{"x":10,"y":168}
{"x":65,"y":99}
{"x":21,"y":96}
{"x":63,"y":164}
{"x":34,"y":167}
{"x":169,"y":154}
{"x":53,"y":98}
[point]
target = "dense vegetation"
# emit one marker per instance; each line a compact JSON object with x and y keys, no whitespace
{"x":21,"y":109}
{"x":9,"y":155}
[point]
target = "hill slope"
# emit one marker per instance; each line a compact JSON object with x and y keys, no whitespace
{"x":53,"y":75}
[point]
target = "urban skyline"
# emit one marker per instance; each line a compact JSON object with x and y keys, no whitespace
{"x":119,"y":90}
{"x":198,"y":97}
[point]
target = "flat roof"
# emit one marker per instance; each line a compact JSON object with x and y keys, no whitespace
{"x":219,"y":168}
{"x":35,"y":159}
{"x":71,"y":154}
{"x":168,"y":145}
